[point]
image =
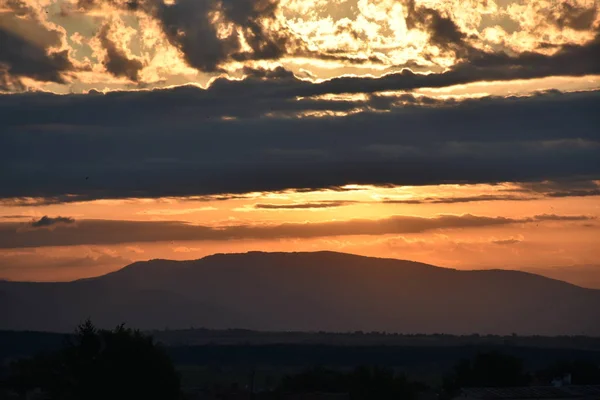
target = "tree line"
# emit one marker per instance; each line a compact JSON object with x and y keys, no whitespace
{"x":123,"y":363}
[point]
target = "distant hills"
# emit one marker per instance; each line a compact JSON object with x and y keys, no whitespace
{"x":321,"y":291}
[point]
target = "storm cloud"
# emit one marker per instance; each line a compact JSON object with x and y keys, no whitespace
{"x":113,"y":146}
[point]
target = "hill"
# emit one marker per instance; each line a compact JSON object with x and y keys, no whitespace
{"x":321,"y":291}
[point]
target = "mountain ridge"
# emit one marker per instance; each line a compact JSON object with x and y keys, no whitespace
{"x":184,"y":263}
{"x":144,"y":264}
{"x":307,"y":291}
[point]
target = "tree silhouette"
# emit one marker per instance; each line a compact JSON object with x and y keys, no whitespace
{"x":100,"y":364}
{"x":491,"y":369}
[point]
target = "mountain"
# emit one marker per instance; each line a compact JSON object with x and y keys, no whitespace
{"x":306,"y":291}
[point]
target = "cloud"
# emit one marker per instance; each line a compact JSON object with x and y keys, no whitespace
{"x":443,"y":31}
{"x":116,"y":61}
{"x":528,"y":191}
{"x":29,"y":47}
{"x":460,"y":199}
{"x":569,"y":60}
{"x":557,"y":189}
{"x":69,"y":151}
{"x":528,"y":195}
{"x":46,"y":222}
{"x":105,"y":232}
{"x":568,"y":15}
{"x":304,"y":206}
{"x":210,"y":33}
{"x":554,"y":217}
{"x":507,"y":242}
{"x":20,"y":58}
{"x":217,"y":36}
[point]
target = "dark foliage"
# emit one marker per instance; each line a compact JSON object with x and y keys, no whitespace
{"x":362,"y":383}
{"x":582,"y":372}
{"x":493,"y":369}
{"x":100,"y":364}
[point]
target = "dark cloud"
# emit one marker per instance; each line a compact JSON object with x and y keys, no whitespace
{"x":443,"y":31}
{"x":21,"y":58}
{"x":445,"y":34}
{"x":570,"y":60}
{"x":105,"y":232}
{"x":25,"y":44}
{"x":530,"y":190}
{"x":190,"y":26}
{"x":343,"y":58}
{"x":46,"y":222}
{"x":116,"y":61}
{"x":460,"y":199}
{"x":10,"y":83}
{"x":187,"y":27}
{"x":554,"y":217}
{"x":122,"y":150}
{"x":304,"y":206}
{"x":568,"y":188}
{"x":507,"y":242}
{"x":261,"y":73}
{"x":575,"y":193}
{"x":567,"y":15}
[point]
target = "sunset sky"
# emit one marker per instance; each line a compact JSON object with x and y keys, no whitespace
{"x":461,"y":133}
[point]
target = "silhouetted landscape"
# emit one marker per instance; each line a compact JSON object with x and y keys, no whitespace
{"x":219,"y":199}
{"x":241,"y":364}
{"x":290,"y":326}
{"x":321,"y":291}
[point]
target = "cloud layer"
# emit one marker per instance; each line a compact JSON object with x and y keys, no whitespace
{"x":273,"y":130}
{"x":112,"y":43}
{"x":242,"y":136}
{"x":106,"y":232}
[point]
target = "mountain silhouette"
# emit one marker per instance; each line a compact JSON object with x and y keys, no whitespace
{"x":320,"y":291}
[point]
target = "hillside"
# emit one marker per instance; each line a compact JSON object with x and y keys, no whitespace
{"x":306,"y":292}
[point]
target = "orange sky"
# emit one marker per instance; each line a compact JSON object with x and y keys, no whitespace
{"x":515,"y":245}
{"x":107,"y":101}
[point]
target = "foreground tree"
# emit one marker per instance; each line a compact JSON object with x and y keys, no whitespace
{"x":491,"y":369}
{"x":100,"y":364}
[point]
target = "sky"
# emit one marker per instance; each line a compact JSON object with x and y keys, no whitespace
{"x":461,"y":133}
